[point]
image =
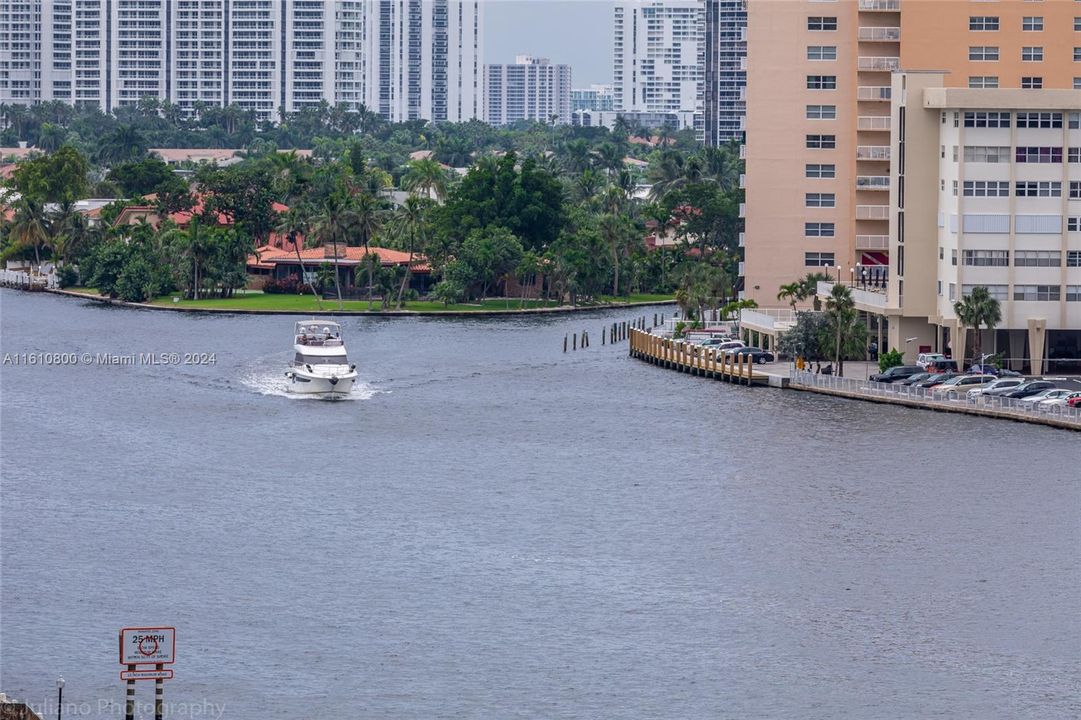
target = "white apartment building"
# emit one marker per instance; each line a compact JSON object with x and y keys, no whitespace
{"x":407,"y":59}
{"x":986,"y":191}
{"x":659,"y":55}
{"x":530,"y":88}
{"x":594,"y":97}
{"x":424,"y":59}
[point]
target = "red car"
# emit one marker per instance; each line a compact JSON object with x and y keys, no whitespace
{"x":1074,"y":402}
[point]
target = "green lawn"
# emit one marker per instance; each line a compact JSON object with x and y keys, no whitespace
{"x":257,"y":300}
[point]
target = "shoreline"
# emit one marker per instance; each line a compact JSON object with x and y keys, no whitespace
{"x":563,"y":309}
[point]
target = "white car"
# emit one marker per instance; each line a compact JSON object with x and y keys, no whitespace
{"x":1040,"y":397}
{"x":1061,"y":399}
{"x":957,"y":387}
{"x":925,"y":359}
{"x":1001,"y":383}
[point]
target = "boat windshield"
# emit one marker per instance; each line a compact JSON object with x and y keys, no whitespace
{"x":318,"y":334}
{"x":302,"y":359}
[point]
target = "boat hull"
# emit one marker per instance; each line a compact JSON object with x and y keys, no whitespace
{"x":330,"y":388}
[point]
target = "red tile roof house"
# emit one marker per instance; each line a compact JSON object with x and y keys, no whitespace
{"x":280,"y":263}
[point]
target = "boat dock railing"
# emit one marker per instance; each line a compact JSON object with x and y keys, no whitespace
{"x":28,"y":281}
{"x":694,"y":359}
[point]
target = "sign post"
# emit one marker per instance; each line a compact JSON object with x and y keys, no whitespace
{"x":147,"y":646}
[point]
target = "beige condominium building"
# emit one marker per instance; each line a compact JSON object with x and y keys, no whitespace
{"x":985,"y":190}
{"x":818,"y":143}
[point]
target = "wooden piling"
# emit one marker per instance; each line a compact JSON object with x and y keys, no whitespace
{"x":564,"y":343}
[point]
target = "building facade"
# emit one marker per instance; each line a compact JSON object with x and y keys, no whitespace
{"x":658,"y":55}
{"x":414,"y":59}
{"x":986,"y":192}
{"x":818,"y":114}
{"x":528,"y":89}
{"x":424,"y":59}
{"x":725,"y":49}
{"x":594,"y":97}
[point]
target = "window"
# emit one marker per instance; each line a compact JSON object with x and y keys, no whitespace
{"x":1032,"y":24}
{"x":987,"y":153}
{"x":1039,"y":120}
{"x":818,"y":259}
{"x":1077,"y":24}
{"x":983,"y":52}
{"x":1075,"y":120}
{"x":1073,"y":258}
{"x":980,"y":119}
{"x":986,"y":258}
{"x":821,"y":23}
{"x":819,"y":229}
{"x":821,"y":142}
{"x":822,"y":52}
{"x":1073,"y":293}
{"x":987,"y":188}
{"x":1036,"y":292}
{"x":1077,"y":83}
{"x":821,"y":171}
{"x":821,"y":200}
{"x":983,"y":23}
{"x":1074,"y":155}
{"x":1073,"y":224}
{"x":1032,"y":54}
{"x":821,"y":82}
{"x":1031,"y":83}
{"x":1041,"y":155}
{"x":1040,"y":188}
{"x":1077,"y":54}
{"x":821,"y":112}
{"x":998,"y":292}
{"x":983,"y":81}
{"x":1075,"y":190}
{"x":953,"y":291}
{"x":1037,"y":258}
{"x":953,"y":257}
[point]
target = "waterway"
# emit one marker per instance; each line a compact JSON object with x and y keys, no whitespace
{"x":495,"y":529}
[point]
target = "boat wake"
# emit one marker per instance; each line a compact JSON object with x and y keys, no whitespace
{"x":273,"y":383}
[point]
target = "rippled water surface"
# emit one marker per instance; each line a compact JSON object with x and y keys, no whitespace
{"x":493,"y":529}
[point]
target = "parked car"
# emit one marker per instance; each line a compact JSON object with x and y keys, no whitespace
{"x":717,"y":342}
{"x":958,"y":386}
{"x":898,"y":372}
{"x":1027,"y":389}
{"x":941,"y":366}
{"x":1075,"y":401}
{"x":725,"y":346}
{"x":1064,"y":399}
{"x":1002,"y":385}
{"x":1046,"y":396}
{"x":925,"y":359}
{"x":756,"y":355}
{"x":918,"y":377}
{"x":937,"y":379}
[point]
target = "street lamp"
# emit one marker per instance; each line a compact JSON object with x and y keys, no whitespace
{"x":838,"y":268}
{"x":59,"y":696}
{"x":852,"y":276}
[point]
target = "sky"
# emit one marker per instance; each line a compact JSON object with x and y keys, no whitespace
{"x":575,"y":32}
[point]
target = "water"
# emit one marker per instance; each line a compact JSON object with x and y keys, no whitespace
{"x":493,"y":529}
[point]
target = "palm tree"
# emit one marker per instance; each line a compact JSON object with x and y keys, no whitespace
{"x":29,"y":227}
{"x":975,"y":311}
{"x":427,"y":177}
{"x":412,"y":220}
{"x":294,"y":225}
{"x":841,"y":309}
{"x":367,"y":220}
{"x":70,"y":229}
{"x":609,"y":158}
{"x":51,"y":137}
{"x":334,"y":225}
{"x":793,"y":292}
{"x":809,"y":288}
{"x":125,"y":143}
{"x":613,"y":231}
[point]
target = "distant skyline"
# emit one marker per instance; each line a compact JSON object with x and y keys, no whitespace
{"x":575,"y":32}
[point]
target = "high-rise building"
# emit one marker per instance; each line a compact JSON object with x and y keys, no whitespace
{"x":410,"y":59}
{"x":594,"y":97}
{"x":658,"y":55}
{"x":530,"y":88}
{"x":424,"y":59}
{"x":725,"y":45}
{"x":818,"y":115}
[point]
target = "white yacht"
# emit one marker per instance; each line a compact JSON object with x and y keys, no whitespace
{"x":321,"y":366}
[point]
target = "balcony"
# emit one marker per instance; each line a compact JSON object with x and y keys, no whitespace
{"x":873,"y":182}
{"x":743,"y":239}
{"x":873,"y":152}
{"x":872,"y":242}
{"x":873,"y":123}
{"x":879,"y":34}
{"x":743,"y":63}
{"x":872,"y":212}
{"x":742,"y":152}
{"x":874,"y":93}
{"x":866,"y":300}
{"x":880,"y":5}
{"x":741,"y":270}
{"x":742,"y":181}
{"x":878,"y":64}
{"x":743,"y":210}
